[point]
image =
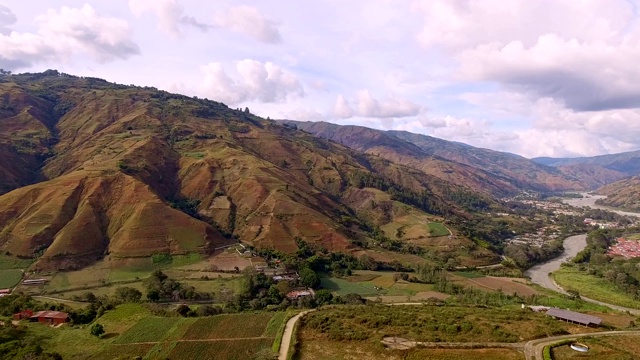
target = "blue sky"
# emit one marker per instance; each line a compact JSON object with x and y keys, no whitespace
{"x":537,"y":78}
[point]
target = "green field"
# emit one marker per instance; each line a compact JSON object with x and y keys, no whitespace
{"x":430,"y":323}
{"x":240,"y":349}
{"x":226,"y":326}
{"x":10,"y":278}
{"x":437,"y":229}
{"x":116,"y":351}
{"x":10,"y":262}
{"x":343,"y":287}
{"x":593,"y":287}
{"x":150,"y":329}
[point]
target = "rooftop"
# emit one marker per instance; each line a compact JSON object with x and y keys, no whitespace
{"x":574,"y":316}
{"x":51,"y":314}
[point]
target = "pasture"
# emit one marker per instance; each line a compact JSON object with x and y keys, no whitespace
{"x":10,"y":278}
{"x":131,"y":330}
{"x":593,"y":287}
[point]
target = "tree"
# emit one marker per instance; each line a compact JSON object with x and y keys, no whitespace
{"x":97,"y":330}
{"x":309,"y":278}
{"x":153,"y":295}
{"x":128,"y":294}
{"x":323,"y":297}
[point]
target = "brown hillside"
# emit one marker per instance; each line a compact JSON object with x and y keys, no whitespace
{"x":624,"y":194}
{"x":118,"y":158}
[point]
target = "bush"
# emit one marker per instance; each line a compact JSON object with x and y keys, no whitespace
{"x":97,"y":330}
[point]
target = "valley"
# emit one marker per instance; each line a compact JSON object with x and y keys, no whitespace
{"x":187,"y":229}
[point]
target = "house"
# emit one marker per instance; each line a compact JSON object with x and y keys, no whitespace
{"x":24,"y":314}
{"x":50,"y":317}
{"x":574,"y":317}
{"x":297,"y":294}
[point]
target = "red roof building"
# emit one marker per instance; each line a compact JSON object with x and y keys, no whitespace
{"x":50,"y":317}
{"x":25,"y":314}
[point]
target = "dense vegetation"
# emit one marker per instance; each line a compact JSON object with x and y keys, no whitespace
{"x":624,"y":274}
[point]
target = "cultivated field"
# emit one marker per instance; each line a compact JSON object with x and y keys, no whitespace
{"x":10,"y":278}
{"x":492,"y":283}
{"x":132,"y":331}
{"x":428,"y":323}
{"x":235,"y":349}
{"x":375,"y":284}
{"x":316,"y":349}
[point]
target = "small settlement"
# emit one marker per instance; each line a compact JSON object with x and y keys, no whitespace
{"x":625,"y":248}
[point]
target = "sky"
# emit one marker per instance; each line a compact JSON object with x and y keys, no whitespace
{"x":533,"y":77}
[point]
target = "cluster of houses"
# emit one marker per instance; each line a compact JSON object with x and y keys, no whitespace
{"x":46,"y":316}
{"x":625,"y":248}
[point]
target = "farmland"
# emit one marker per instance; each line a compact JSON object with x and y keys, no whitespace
{"x":131,"y":330}
{"x":431,"y":323}
{"x":150,"y":329}
{"x":238,"y":349}
{"x":9,"y":278}
{"x":315,"y":349}
{"x":374,"y":284}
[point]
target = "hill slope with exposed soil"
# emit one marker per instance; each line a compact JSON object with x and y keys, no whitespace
{"x":93,"y":168}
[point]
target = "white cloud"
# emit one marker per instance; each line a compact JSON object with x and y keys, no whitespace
{"x":170,"y":15}
{"x":249,"y":21}
{"x":7,"y":18}
{"x":253,"y":81}
{"x":67,"y":32}
{"x":367,"y":106}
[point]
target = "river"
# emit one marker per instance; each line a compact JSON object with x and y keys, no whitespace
{"x":539,"y":274}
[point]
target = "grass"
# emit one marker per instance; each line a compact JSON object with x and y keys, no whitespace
{"x":437,"y":229}
{"x":343,"y":287}
{"x":469,"y":274}
{"x":602,"y":348}
{"x":229,"y":326}
{"x":149,"y":329}
{"x":221,"y":350}
{"x":430,"y":324}
{"x":10,"y":278}
{"x":316,"y":349}
{"x":593,"y":287}
{"x":116,"y":351}
{"x":9,"y":262}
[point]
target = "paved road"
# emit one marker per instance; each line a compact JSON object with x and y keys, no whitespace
{"x":533,"y":349}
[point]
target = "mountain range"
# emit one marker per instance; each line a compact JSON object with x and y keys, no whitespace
{"x":95,"y":169}
{"x":92,"y":169}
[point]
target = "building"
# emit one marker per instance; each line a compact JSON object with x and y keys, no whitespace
{"x":5,"y":292}
{"x":50,"y":317}
{"x":574,"y":317}
{"x":297,"y":294}
{"x":24,"y":314}
{"x":34,"y":282}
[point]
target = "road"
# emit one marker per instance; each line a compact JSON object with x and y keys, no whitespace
{"x":288,"y":335}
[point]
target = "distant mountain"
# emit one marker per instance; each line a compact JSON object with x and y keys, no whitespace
{"x":485,"y":170}
{"x":623,"y":194}
{"x":90,"y":169}
{"x":599,"y":170}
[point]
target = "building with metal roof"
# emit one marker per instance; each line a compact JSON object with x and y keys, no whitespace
{"x":574,"y":317}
